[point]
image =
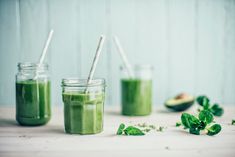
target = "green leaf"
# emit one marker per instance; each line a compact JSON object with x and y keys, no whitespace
{"x":194,"y":131}
{"x":142,"y":125}
{"x":214,"y":129}
{"x":152,"y":126}
{"x":203,"y":100}
{"x":131,"y":130}
{"x":217,"y":110}
{"x":233,"y":122}
{"x":120,"y":129}
{"x":177,"y":124}
{"x":146,"y":130}
{"x":161,"y":128}
{"x":185,"y":120}
{"x":189,"y":121}
{"x":206,"y":116}
{"x":202,"y":125}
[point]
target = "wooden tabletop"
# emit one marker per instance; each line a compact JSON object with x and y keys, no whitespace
{"x":50,"y":140}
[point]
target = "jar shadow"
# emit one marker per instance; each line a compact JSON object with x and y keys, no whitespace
{"x":7,"y":122}
{"x":113,"y":113}
{"x":55,"y":129}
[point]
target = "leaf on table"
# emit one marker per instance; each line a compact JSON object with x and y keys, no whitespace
{"x":206,"y":116}
{"x":131,"y":130}
{"x":217,"y":110}
{"x":120,"y":129}
{"x":214,"y":129}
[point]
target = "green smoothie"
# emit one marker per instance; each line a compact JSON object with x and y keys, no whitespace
{"x":83,"y":113}
{"x":33,"y":102}
{"x":136,"y":97}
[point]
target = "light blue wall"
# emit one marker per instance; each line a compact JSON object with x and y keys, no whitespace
{"x":191,"y":43}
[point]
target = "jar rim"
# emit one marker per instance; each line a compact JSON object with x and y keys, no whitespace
{"x":31,"y":65}
{"x":80,"y":82}
{"x":139,"y":66}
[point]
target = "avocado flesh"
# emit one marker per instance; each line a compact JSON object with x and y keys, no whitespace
{"x":179,"y":104}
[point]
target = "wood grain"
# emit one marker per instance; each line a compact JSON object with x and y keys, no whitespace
{"x":50,"y":140}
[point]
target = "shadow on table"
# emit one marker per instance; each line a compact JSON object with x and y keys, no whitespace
{"x":7,"y":122}
{"x":165,"y":111}
{"x":113,"y":113}
{"x":184,"y":132}
{"x":55,"y":129}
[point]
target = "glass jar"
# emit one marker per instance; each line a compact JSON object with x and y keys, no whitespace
{"x":33,"y":103}
{"x":83,"y":105}
{"x":136,"y":91}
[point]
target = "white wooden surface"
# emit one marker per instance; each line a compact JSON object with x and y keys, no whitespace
{"x":189,"y":42}
{"x":50,"y":140}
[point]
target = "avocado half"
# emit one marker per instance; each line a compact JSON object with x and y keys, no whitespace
{"x":180,"y":103}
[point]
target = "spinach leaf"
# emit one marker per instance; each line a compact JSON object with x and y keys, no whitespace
{"x":177,"y":124}
{"x":185,"y":120}
{"x":194,"y":131}
{"x":233,"y":122}
{"x":131,"y":130}
{"x":204,"y":119}
{"x":120,"y":129}
{"x":214,"y":129}
{"x":203,"y":100}
{"x":189,"y":121}
{"x":217,"y":110}
{"x":202,"y":125}
{"x":192,"y":123}
{"x":206,"y":116}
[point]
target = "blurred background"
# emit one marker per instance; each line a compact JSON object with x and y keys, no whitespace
{"x":190,"y":43}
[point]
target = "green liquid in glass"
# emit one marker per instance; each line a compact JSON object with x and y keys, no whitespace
{"x":136,"y":97}
{"x":83,"y":113}
{"x":33,"y":102}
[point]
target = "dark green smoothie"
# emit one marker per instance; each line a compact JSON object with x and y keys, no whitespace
{"x":136,"y":97}
{"x":83,"y":113}
{"x":33,"y":102}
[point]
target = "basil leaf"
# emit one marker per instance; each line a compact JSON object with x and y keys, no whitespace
{"x":233,"y":122}
{"x":131,"y":130}
{"x":217,"y":110}
{"x":206,"y":116}
{"x":177,"y":124}
{"x":194,"y":131}
{"x":189,"y":121}
{"x":214,"y":129}
{"x":185,"y":120}
{"x":203,"y":100}
{"x":120,"y":129}
{"x":202,"y":125}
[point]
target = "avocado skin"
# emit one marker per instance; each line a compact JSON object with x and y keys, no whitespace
{"x":180,"y":107}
